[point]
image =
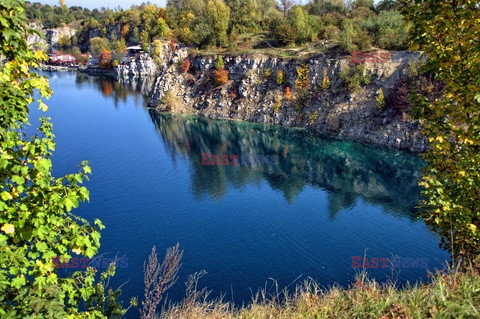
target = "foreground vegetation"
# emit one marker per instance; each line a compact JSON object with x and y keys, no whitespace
{"x":449,"y":295}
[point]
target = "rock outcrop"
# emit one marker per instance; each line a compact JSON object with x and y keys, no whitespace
{"x":252,"y":94}
{"x":137,"y":67}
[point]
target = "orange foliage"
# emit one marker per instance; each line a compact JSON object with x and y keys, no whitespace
{"x":106,"y":58}
{"x":107,"y":88}
{"x":162,"y":13}
{"x":288,"y":93}
{"x":185,"y":65}
{"x":172,"y":45}
{"x":125,"y":30}
{"x":221,"y":77}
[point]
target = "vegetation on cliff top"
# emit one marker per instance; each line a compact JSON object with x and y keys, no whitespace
{"x":234,"y":25}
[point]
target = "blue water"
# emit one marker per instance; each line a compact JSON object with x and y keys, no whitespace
{"x":325,"y":201}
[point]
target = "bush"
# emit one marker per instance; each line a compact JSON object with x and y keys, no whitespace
{"x":380,"y":99}
{"x":64,"y":42}
{"x":267,"y":73}
{"x":219,"y":64}
{"x":313,"y":117}
{"x":325,"y":81}
{"x":220,"y":77}
{"x":169,"y":100}
{"x":331,"y":32}
{"x":280,"y":77}
{"x":288,"y":93}
{"x":98,"y":44}
{"x":277,"y":105}
{"x":303,"y":79}
{"x":185,"y":65}
{"x":388,"y":30}
{"x":346,"y":37}
{"x":354,"y":77}
{"x":283,"y":32}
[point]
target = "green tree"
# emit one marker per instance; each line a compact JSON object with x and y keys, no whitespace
{"x":144,"y":40}
{"x":36,"y":219}
{"x":245,"y":16}
{"x":218,"y":15}
{"x":449,"y":33}
{"x":98,"y":44}
{"x":306,"y":26}
{"x":347,"y":36}
{"x":64,"y":42}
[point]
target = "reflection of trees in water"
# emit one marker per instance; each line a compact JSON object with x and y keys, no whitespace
{"x":117,"y":90}
{"x":347,"y":171}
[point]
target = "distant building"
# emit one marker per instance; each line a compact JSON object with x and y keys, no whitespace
{"x":134,"y":51}
{"x":64,"y":59}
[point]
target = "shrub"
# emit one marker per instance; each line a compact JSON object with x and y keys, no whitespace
{"x":347,"y":36}
{"x":277,"y":104}
{"x":354,"y":77}
{"x":283,"y":32}
{"x":313,"y":117}
{"x":325,"y":81}
{"x":331,"y":32}
{"x":64,"y":42}
{"x":288,"y":93}
{"x":362,"y":40}
{"x":280,"y":77}
{"x":219,"y":64}
{"x":98,"y":44}
{"x":185,"y":65}
{"x":398,"y":99}
{"x":380,"y":99}
{"x":267,"y":73}
{"x":106,"y":59}
{"x":169,"y":100}
{"x":303,"y":79}
{"x":220,"y":77}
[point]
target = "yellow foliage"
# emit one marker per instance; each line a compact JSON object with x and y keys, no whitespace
{"x":325,"y":81}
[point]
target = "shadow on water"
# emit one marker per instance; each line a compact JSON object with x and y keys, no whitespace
{"x":347,"y":171}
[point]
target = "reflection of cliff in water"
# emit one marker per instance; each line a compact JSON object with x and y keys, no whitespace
{"x":347,"y":171}
{"x":118,"y":90}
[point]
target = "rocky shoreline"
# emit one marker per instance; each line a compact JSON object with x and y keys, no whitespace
{"x":252,"y":94}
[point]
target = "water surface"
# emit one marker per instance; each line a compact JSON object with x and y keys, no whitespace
{"x":325,"y":201}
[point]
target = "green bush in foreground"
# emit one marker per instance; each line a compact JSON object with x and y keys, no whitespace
{"x":36,"y":219}
{"x":449,"y":33}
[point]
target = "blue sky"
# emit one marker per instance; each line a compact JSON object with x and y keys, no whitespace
{"x":91,"y":4}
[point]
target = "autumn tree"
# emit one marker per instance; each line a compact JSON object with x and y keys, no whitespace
{"x":449,"y":33}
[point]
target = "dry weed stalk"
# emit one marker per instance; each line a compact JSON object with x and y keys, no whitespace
{"x":158,"y":278}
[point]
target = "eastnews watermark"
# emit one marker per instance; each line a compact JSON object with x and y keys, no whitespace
{"x":249,"y":159}
{"x":397,"y":262}
{"x":99,"y":262}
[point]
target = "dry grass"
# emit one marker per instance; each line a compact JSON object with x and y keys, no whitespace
{"x":260,"y":43}
{"x":451,"y":294}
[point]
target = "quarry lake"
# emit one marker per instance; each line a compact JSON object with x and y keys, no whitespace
{"x":312,"y":212}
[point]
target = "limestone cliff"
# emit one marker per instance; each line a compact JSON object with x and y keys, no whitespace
{"x":252,"y":94}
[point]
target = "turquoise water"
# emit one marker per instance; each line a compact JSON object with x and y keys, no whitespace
{"x":323,"y":202}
